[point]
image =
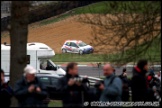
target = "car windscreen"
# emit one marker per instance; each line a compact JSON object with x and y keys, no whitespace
{"x":81,"y":44}
{"x":67,"y":43}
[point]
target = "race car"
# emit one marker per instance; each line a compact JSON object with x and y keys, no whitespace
{"x":76,"y":46}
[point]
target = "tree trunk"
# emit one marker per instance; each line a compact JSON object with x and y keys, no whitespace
{"x":18,"y":36}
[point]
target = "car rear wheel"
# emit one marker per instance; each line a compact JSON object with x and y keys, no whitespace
{"x":64,"y":51}
{"x":80,"y":52}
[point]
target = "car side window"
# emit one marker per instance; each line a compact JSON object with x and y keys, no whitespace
{"x":73,"y":44}
{"x":45,"y":80}
{"x":67,"y":43}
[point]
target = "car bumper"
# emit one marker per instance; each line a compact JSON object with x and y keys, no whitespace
{"x":88,"y":51}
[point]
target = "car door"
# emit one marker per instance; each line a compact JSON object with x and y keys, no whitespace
{"x":68,"y":47}
{"x":45,"y":80}
{"x":74,"y":47}
{"x":55,"y":94}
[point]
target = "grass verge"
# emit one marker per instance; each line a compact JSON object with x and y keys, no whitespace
{"x":55,"y":103}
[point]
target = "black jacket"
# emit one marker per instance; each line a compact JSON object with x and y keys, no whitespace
{"x":6,"y":94}
{"x":27,"y":99}
{"x":139,"y":85}
{"x":125,"y":87}
{"x":71,"y":95}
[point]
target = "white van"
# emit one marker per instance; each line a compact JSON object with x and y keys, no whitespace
{"x":38,"y":55}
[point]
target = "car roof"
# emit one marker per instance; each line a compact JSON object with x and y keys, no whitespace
{"x":75,"y":41}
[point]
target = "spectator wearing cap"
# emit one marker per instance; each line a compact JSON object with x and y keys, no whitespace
{"x":29,"y":91}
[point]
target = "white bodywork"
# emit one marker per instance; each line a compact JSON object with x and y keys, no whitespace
{"x":72,"y":46}
{"x":38,"y":52}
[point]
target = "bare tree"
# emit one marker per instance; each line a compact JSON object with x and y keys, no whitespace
{"x":18,"y":36}
{"x":125,"y":30}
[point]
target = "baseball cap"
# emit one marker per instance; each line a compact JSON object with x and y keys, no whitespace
{"x":29,"y":69}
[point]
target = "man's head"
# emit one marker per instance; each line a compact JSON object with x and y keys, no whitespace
{"x":143,"y":65}
{"x":29,"y":73}
{"x":108,"y":69}
{"x":124,"y":70}
{"x":2,"y":77}
{"x":72,"y":68}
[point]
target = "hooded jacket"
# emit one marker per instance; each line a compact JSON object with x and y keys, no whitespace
{"x":139,"y":84}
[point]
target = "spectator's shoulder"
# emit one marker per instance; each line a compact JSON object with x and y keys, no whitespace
{"x":117,"y":79}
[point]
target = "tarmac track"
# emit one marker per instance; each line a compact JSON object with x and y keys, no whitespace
{"x":97,"y":72}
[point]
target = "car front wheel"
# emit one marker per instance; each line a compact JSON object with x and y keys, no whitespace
{"x":64,"y":51}
{"x":80,"y":52}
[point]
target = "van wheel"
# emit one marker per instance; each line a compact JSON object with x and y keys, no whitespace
{"x":64,"y":51}
{"x":80,"y":52}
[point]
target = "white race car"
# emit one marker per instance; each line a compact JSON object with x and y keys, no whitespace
{"x":76,"y":46}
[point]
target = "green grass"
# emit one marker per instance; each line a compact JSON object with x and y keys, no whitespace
{"x":105,"y":7}
{"x":99,"y":7}
{"x":92,"y":8}
{"x":77,"y":58}
{"x":55,"y":103}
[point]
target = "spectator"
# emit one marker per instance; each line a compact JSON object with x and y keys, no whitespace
{"x":125,"y":87}
{"x":72,"y":90}
{"x":112,"y":87}
{"x":29,"y":91}
{"x":151,"y":78}
{"x":158,"y":75}
{"x":151,"y":70}
{"x":6,"y":92}
{"x":139,"y":84}
{"x":124,"y":74}
{"x":154,"y":84}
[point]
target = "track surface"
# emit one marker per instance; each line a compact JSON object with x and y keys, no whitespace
{"x":97,"y":72}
